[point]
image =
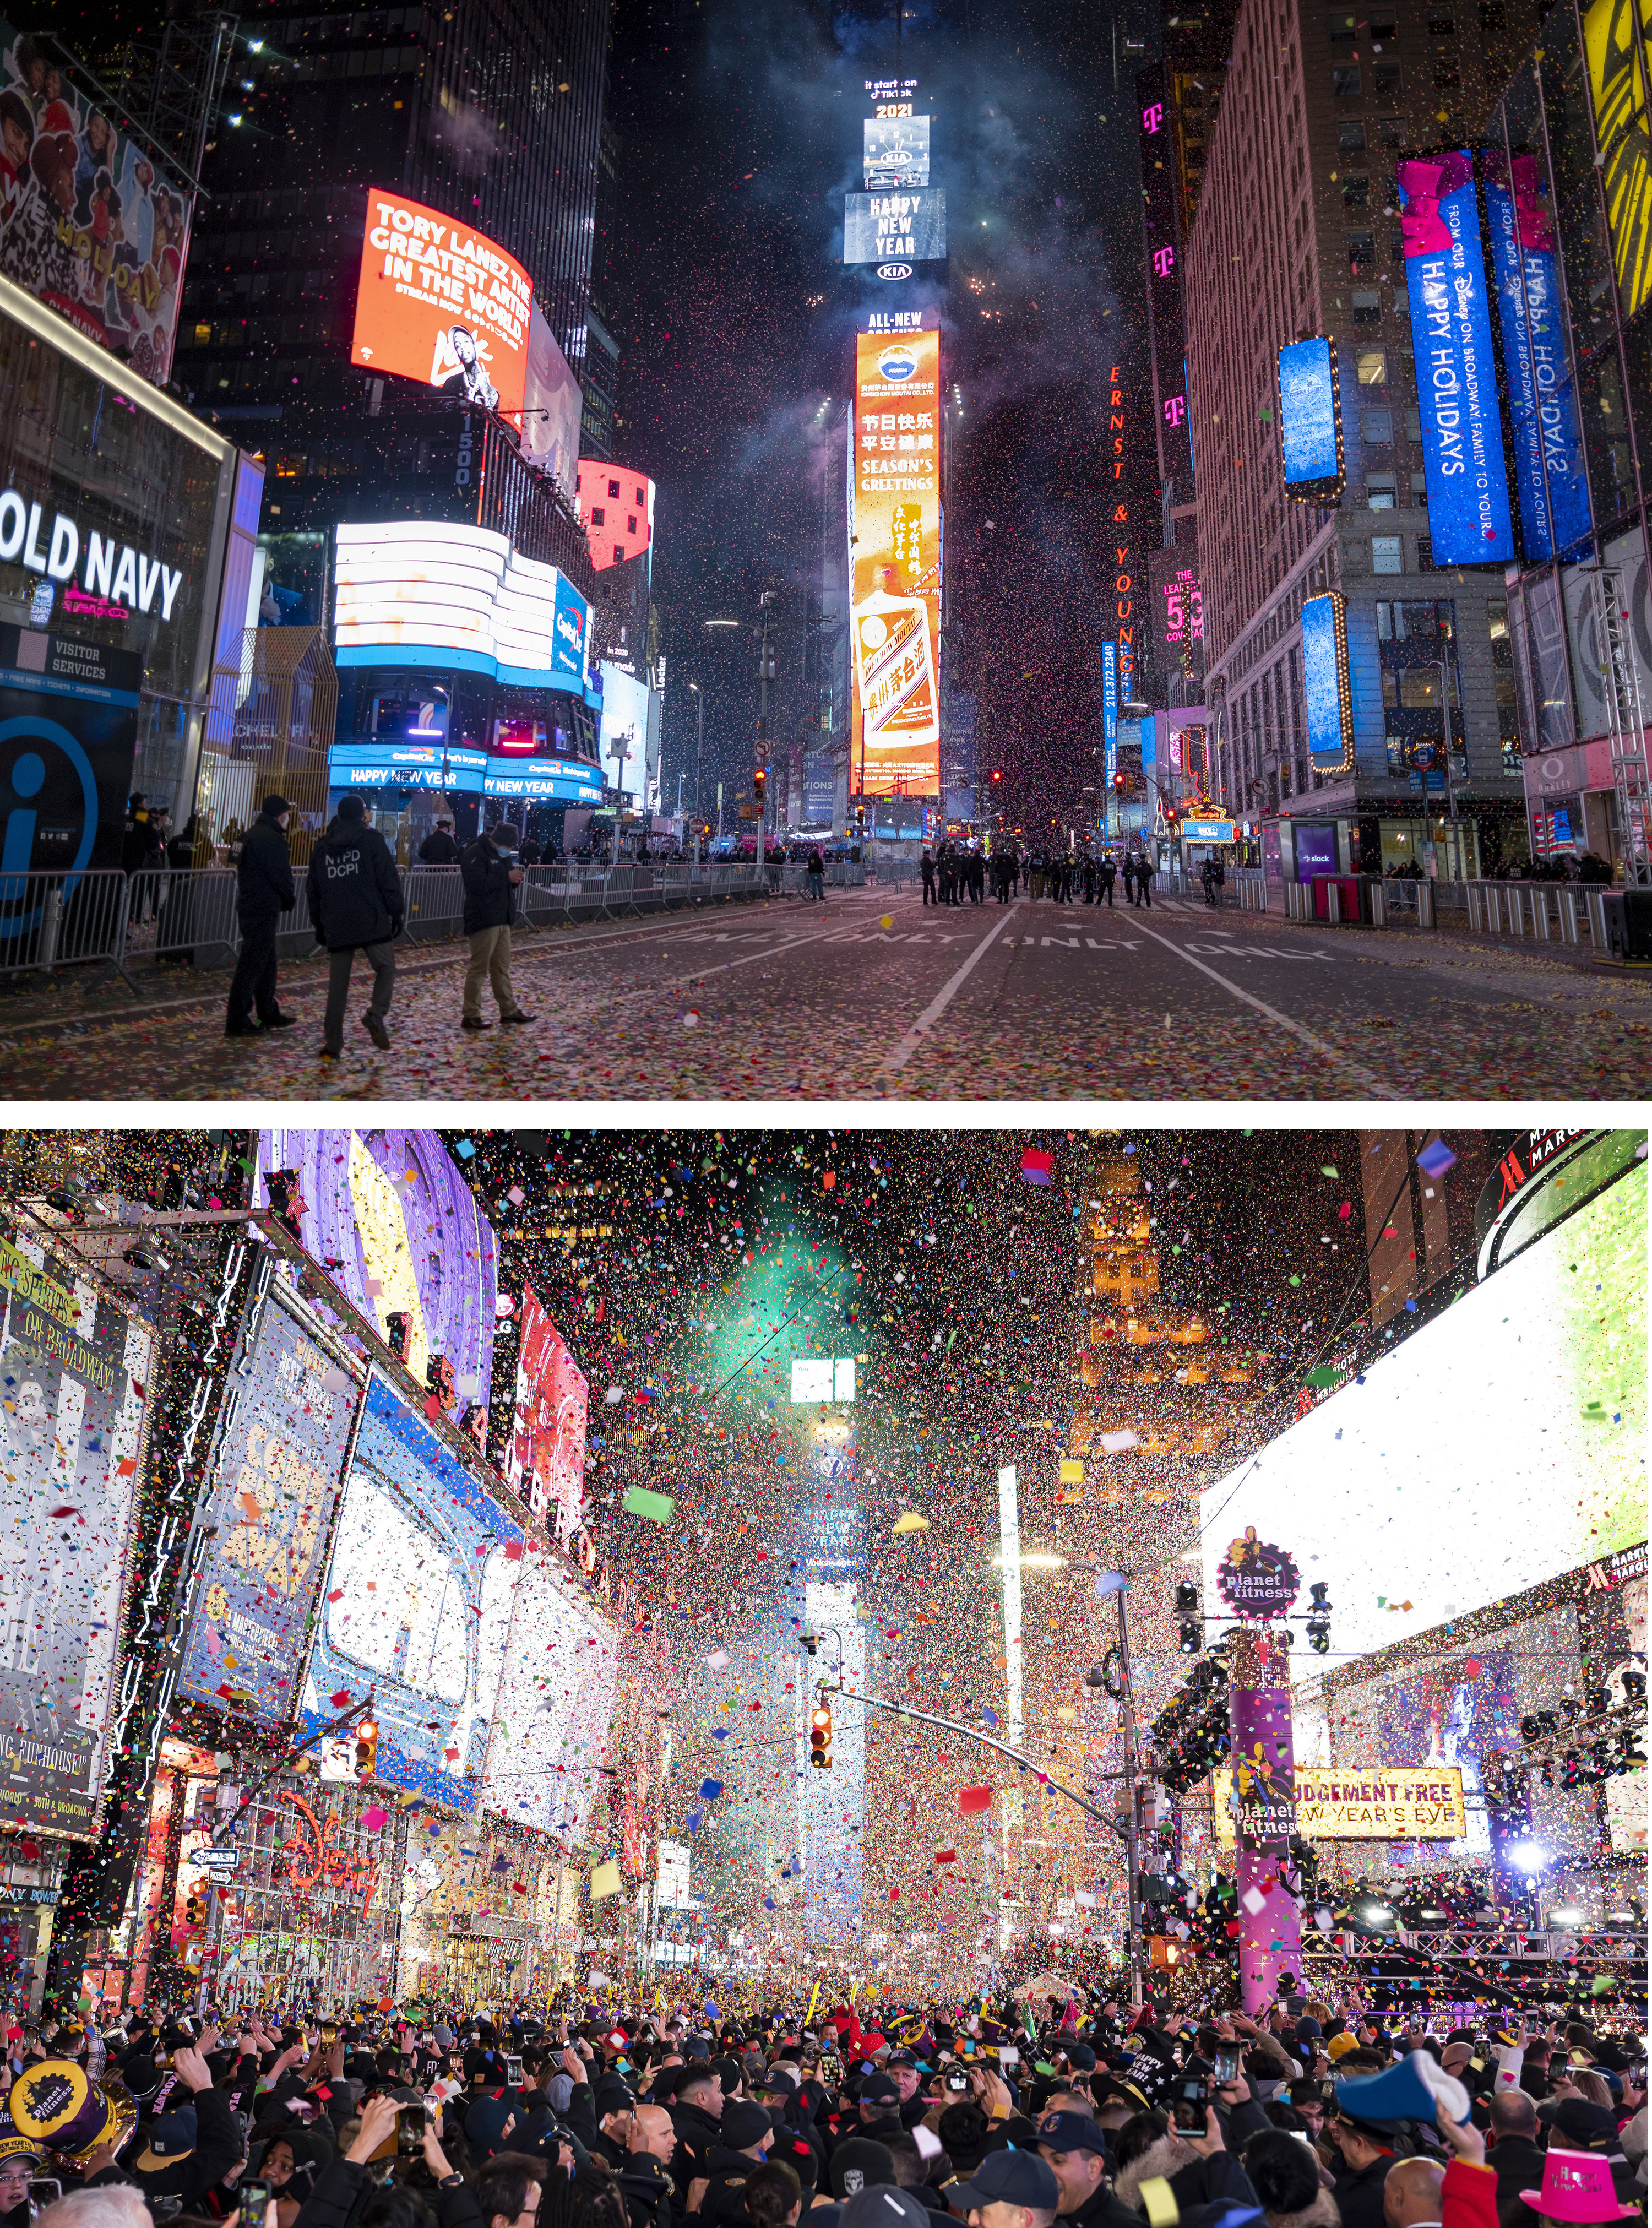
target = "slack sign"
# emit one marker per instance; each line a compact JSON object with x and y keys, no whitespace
{"x":1469,"y":516}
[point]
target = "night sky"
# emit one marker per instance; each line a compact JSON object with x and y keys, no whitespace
{"x":740,"y":129}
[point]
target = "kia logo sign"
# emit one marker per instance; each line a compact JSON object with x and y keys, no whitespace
{"x":894,"y":271}
{"x":897,"y":363}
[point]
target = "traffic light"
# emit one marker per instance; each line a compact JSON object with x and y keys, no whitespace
{"x":1319,"y":1619}
{"x":997,"y":776}
{"x":1119,"y":782}
{"x":367,"y":1749}
{"x":820,"y":1737}
{"x":760,"y":785}
{"x":195,"y":1906}
{"x":398,"y":1332}
{"x":1191,"y":1630}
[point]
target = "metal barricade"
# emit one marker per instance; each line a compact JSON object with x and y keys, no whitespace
{"x":435,"y":902}
{"x":183,"y":917}
{"x":1252,"y":890}
{"x":51,"y":920}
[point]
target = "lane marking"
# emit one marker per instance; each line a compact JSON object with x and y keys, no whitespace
{"x":944,"y":997}
{"x":1261,"y":1005}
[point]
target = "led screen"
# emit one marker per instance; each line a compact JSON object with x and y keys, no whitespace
{"x":545,"y":1461}
{"x":1549,"y":471}
{"x":552,"y":406}
{"x":417,"y":1605}
{"x":397,"y":1229}
{"x":439,"y":303}
{"x":894,"y":151}
{"x":622,"y":737}
{"x":556,"y":1699}
{"x":1469,"y":521}
{"x":820,"y":1379}
{"x":388,"y":764}
{"x":1310,"y":419}
{"x":445,"y":597}
{"x":278,"y":1468}
{"x":1109,"y":722}
{"x":1325,"y":682}
{"x":895,"y":559}
{"x":617,"y":506}
{"x":73,"y":1380}
{"x":905,"y":228}
{"x":1503,"y":1442}
{"x":1614,"y":37}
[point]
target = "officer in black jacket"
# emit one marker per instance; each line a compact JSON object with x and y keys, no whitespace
{"x":357,"y":903}
{"x":264,"y":891}
{"x":438,"y":848}
{"x":490,"y":878}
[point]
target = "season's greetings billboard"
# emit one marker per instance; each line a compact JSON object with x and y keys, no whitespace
{"x":895,"y":556}
{"x":89,"y":223}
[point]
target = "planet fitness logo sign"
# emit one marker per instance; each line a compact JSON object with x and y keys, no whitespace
{"x":1257,"y":1581}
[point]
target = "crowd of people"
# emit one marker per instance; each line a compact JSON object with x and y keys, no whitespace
{"x":952,"y":872}
{"x":1310,"y":2118}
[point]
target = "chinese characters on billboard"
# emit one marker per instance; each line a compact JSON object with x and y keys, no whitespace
{"x":88,"y":224}
{"x":895,"y":559}
{"x":545,"y":1462}
{"x":73,"y":1379}
{"x":279,"y":1467}
{"x":442,"y":304}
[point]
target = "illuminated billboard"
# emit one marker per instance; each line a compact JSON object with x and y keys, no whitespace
{"x":1531,"y":1393}
{"x":823,"y":1379}
{"x":1109,"y":721}
{"x":623,"y":740}
{"x":544,"y":1462}
{"x":1550,"y":474}
{"x":278,"y":1470}
{"x":1614,"y":38}
{"x":895,"y":566}
{"x":1469,"y":521}
{"x":417,"y":1605}
{"x":556,"y":1701}
{"x":399,"y":1230}
{"x":440,"y":304}
{"x":618,"y":507}
{"x":432,"y":595}
{"x":1364,"y":1802}
{"x":73,"y":1380}
{"x":552,"y":408}
{"x":90,"y":224}
{"x":909,"y":227}
{"x":1325,"y":683}
{"x":894,"y":151}
{"x":1310,"y":420}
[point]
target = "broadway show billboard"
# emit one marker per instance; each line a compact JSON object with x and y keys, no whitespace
{"x":74,"y":1378}
{"x":89,"y":223}
{"x":416,"y":1605}
{"x":441,"y":303}
{"x":280,"y":1463}
{"x":1469,"y":520}
{"x":895,"y":566}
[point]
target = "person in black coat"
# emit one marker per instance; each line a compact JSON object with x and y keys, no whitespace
{"x":492,"y":875}
{"x":264,"y":891}
{"x":438,"y":848}
{"x":356,"y":904}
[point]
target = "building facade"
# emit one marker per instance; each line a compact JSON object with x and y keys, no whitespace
{"x":1297,"y":232}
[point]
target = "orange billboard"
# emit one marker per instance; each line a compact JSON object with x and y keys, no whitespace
{"x":441,"y":303}
{"x":895,"y":566}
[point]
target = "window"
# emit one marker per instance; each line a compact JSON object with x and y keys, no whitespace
{"x":1345,"y":81}
{"x":1413,"y":425}
{"x":1339,"y":29}
{"x":1373,"y":367}
{"x":1384,"y":27}
{"x":1385,"y":78}
{"x":1442,"y":26}
{"x":1386,"y":554}
{"x":1380,"y":490}
{"x":1419,"y":490}
{"x":1377,"y":428}
{"x":1350,"y":138}
{"x":1356,"y":191}
{"x":1494,"y":16}
{"x":1391,"y":131}
{"x":598,"y":515}
{"x":1447,"y":75}
{"x":1362,"y":251}
{"x":1365,"y":306}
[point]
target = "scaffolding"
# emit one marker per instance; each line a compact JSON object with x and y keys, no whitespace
{"x":1626,"y":725}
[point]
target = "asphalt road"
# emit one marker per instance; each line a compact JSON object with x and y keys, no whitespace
{"x":877,"y":997}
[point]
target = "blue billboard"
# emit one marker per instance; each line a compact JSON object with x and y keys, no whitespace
{"x":1549,"y":470}
{"x":1109,"y":725}
{"x":1310,"y":420}
{"x":418,"y":1604}
{"x":819,"y":788}
{"x":1470,"y":518}
{"x":1325,"y":683}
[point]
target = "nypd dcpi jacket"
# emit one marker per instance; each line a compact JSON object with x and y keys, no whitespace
{"x":354,"y":890}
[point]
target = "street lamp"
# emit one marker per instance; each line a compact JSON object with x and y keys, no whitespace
{"x":699,"y":750}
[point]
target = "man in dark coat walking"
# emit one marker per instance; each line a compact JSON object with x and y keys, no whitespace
{"x":357,"y":903}
{"x":264,"y":891}
{"x":490,"y":878}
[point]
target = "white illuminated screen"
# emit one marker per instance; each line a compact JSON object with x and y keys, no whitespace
{"x":1502,"y":1443}
{"x":556,"y":1699}
{"x":817,"y":1378}
{"x":432,"y":586}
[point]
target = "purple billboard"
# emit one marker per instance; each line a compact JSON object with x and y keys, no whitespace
{"x":1315,"y":850}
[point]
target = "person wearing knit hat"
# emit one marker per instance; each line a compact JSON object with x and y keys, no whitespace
{"x":859,"y":2163}
{"x":746,"y":2132}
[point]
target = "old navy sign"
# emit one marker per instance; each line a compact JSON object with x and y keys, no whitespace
{"x":114,"y":570}
{"x":1469,"y":517}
